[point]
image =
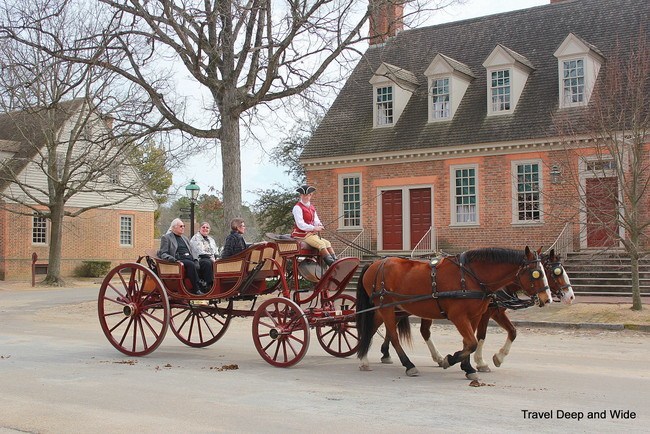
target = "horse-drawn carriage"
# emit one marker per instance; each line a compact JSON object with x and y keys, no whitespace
{"x":139,"y":301}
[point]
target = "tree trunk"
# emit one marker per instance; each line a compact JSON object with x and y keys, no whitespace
{"x":636,"y":293}
{"x":53,"y":277}
{"x":231,"y":160}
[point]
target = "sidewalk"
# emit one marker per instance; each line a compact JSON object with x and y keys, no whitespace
{"x":589,"y":312}
{"x":600,"y":312}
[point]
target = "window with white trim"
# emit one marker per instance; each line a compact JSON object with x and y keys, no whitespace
{"x":573,"y":81}
{"x":384,"y":102}
{"x":500,"y":90}
{"x":351,"y":201}
{"x":126,"y":230}
{"x":464,"y":195}
{"x":578,"y":64}
{"x":440,"y":98}
{"x":527,"y":186}
{"x":39,"y":229}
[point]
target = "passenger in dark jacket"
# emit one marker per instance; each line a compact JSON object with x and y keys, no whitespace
{"x":235,"y":241}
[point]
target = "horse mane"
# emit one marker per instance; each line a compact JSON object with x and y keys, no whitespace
{"x":495,"y":255}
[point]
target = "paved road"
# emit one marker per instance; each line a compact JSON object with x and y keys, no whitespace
{"x":58,"y":374}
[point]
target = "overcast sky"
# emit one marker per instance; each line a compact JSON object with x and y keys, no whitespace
{"x":258,"y":172}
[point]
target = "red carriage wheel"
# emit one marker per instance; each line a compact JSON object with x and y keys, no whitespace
{"x":133,"y":309}
{"x":199,"y":325}
{"x":340,"y":338}
{"x":280,"y":332}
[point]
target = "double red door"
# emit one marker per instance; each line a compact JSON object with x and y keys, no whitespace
{"x":393,"y":217}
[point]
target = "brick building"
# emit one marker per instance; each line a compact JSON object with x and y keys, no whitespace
{"x":115,"y":233}
{"x":449,"y":132}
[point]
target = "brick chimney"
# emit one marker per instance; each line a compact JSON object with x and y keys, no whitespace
{"x":386,"y":19}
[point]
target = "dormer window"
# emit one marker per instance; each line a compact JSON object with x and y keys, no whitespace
{"x":500,"y":90}
{"x":573,"y":82}
{"x":578,"y":65}
{"x":448,"y":80}
{"x":384,"y":107}
{"x":507,"y":73}
{"x":393,"y":87}
{"x":441,"y":108}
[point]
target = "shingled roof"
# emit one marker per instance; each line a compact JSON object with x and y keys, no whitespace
{"x":23,"y":133}
{"x":533,"y":33}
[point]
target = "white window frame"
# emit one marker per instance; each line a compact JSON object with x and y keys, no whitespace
{"x":446,"y":109}
{"x":496,"y":100}
{"x":515,"y":191}
{"x":452,"y":193}
{"x":124,"y":232}
{"x":40,"y":225}
{"x":567,"y":91}
{"x":342,"y":202}
{"x":381,"y":107}
{"x":574,"y":49}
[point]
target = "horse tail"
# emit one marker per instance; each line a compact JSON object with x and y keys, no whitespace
{"x":404,"y":330}
{"x":365,"y":320}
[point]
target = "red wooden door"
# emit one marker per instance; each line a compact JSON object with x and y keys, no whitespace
{"x":391,"y":219}
{"x":601,"y":196}
{"x":420,"y":200}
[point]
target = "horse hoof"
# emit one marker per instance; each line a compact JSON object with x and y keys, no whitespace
{"x":445,"y":363}
{"x":364,"y":368}
{"x":496,"y":361}
{"x":387,"y":360}
{"x":472,"y":376}
{"x":413,"y":372}
{"x":485,"y":368}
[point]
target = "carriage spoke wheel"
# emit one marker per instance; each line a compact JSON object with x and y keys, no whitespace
{"x":198,"y":325}
{"x":340,"y":339}
{"x":280,"y":332}
{"x":133,"y":309}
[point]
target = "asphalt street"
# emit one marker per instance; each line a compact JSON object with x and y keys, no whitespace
{"x":58,"y":373}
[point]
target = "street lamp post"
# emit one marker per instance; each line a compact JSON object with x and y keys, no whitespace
{"x":192,"y":191}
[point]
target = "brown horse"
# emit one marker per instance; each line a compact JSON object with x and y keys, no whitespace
{"x":459,"y":288}
{"x":560,"y":286}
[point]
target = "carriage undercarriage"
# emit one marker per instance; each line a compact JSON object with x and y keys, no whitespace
{"x":140,"y":301}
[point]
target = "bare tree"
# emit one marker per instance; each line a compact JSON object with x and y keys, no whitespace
{"x":73,"y":127}
{"x":245,"y":55}
{"x":617,"y":172}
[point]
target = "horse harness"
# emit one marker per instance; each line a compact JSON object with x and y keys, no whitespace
{"x":459,"y":260}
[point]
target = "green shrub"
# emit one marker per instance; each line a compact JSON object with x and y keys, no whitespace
{"x":93,"y":268}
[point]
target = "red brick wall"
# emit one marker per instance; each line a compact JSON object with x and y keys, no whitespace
{"x":495,"y":204}
{"x":95,"y":235}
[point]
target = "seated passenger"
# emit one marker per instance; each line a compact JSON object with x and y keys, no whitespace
{"x":206,"y":248}
{"x":175,"y":247}
{"x":235,"y":241}
{"x":308,"y":225}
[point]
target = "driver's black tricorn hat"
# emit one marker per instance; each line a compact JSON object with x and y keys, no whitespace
{"x":305,"y":189}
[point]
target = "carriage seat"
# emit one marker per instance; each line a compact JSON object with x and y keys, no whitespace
{"x":246,"y":271}
{"x":299,"y":248}
{"x":172,"y":273}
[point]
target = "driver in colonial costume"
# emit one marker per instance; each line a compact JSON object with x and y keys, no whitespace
{"x":308,"y":226}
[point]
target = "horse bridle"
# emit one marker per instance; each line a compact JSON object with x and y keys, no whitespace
{"x":535,"y":273}
{"x":557,"y":269}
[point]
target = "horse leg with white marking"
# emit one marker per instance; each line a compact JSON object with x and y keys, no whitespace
{"x":481,"y":333}
{"x":425,"y":331}
{"x":502,"y":319}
